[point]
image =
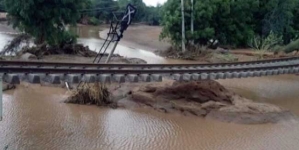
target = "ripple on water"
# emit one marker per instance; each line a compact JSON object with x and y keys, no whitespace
{"x":35,"y":118}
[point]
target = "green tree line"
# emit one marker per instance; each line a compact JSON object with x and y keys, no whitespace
{"x":47,"y":20}
{"x":105,"y":10}
{"x":232,"y":22}
{"x":2,"y":6}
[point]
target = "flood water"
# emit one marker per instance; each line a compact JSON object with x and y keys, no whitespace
{"x":90,"y":36}
{"x":35,"y":118}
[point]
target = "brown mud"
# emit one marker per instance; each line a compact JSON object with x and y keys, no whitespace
{"x":205,"y":99}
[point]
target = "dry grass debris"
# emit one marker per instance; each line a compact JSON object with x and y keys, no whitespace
{"x":91,"y":94}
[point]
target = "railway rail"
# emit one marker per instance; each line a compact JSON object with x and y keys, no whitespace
{"x":270,"y":62}
{"x":55,"y":73}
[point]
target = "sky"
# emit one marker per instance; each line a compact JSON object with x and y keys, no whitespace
{"x":154,"y":2}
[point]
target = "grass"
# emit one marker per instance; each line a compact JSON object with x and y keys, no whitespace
{"x":224,"y":58}
{"x":291,"y":46}
{"x":265,"y":44}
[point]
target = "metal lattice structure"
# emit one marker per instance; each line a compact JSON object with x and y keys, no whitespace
{"x":117,"y":28}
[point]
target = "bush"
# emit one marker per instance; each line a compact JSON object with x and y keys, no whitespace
{"x":94,"y":21}
{"x":265,"y":43}
{"x":232,"y":22}
{"x":291,"y":46}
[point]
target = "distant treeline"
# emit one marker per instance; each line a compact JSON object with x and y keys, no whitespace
{"x":102,"y":11}
{"x":238,"y":23}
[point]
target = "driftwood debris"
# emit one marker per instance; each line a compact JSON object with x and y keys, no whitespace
{"x":91,"y":94}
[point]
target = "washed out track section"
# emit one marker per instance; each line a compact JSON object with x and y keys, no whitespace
{"x":260,"y":63}
{"x":57,"y":75}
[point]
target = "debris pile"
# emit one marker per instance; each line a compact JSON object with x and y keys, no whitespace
{"x":43,"y":50}
{"x":21,"y":45}
{"x":13,"y":46}
{"x":91,"y":94}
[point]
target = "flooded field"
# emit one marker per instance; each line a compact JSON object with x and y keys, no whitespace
{"x":35,"y":118}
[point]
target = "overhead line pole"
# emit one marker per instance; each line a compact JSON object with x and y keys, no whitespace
{"x":1,"y":97}
{"x":192,"y":20}
{"x":183,"y":26}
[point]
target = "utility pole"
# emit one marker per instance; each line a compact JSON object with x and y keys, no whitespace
{"x":183,"y":27}
{"x":192,"y":20}
{"x":1,"y":96}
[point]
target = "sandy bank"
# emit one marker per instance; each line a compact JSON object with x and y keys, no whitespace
{"x":205,"y":99}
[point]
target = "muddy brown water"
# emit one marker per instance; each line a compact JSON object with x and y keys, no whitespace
{"x":35,"y":118}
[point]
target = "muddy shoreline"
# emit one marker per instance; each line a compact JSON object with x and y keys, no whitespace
{"x":209,"y":99}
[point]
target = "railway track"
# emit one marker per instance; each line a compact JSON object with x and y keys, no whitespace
{"x":259,"y":63}
{"x":55,"y":73}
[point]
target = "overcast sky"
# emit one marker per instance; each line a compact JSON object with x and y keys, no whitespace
{"x":154,"y":2}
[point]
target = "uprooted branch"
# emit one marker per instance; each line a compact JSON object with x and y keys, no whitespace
{"x":13,"y":46}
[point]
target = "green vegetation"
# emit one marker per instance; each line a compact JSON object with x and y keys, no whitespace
{"x":103,"y":10}
{"x":45,"y":20}
{"x":294,"y":45}
{"x":260,"y":24}
{"x":267,"y":43}
{"x":2,"y":6}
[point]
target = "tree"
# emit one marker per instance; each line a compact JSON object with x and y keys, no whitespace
{"x":171,"y":22}
{"x":232,"y":22}
{"x":104,"y":8}
{"x":45,"y":20}
{"x":139,"y":4}
{"x":276,"y":16}
{"x":2,"y":6}
{"x":153,"y":15}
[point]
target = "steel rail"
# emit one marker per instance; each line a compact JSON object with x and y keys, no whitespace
{"x":59,"y":64}
{"x":10,"y":70}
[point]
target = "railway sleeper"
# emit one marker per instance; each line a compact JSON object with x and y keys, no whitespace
{"x":120,"y":78}
{"x":177,"y":77}
{"x":52,"y":78}
{"x":132,"y":78}
{"x":156,"y":78}
{"x":220,"y":75}
{"x":187,"y":77}
{"x":204,"y":76}
{"x":145,"y":78}
{"x":89,"y":78}
{"x":104,"y":78}
{"x":195,"y":77}
{"x":12,"y":78}
{"x":73,"y":78}
{"x":34,"y":78}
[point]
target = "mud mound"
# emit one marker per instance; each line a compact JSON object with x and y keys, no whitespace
{"x":208,"y":99}
{"x":201,"y":92}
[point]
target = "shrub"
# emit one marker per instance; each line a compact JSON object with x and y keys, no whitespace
{"x":265,"y":43}
{"x":94,"y":21}
{"x":291,"y":46}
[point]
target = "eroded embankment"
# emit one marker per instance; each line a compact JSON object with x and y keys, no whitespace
{"x":208,"y":99}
